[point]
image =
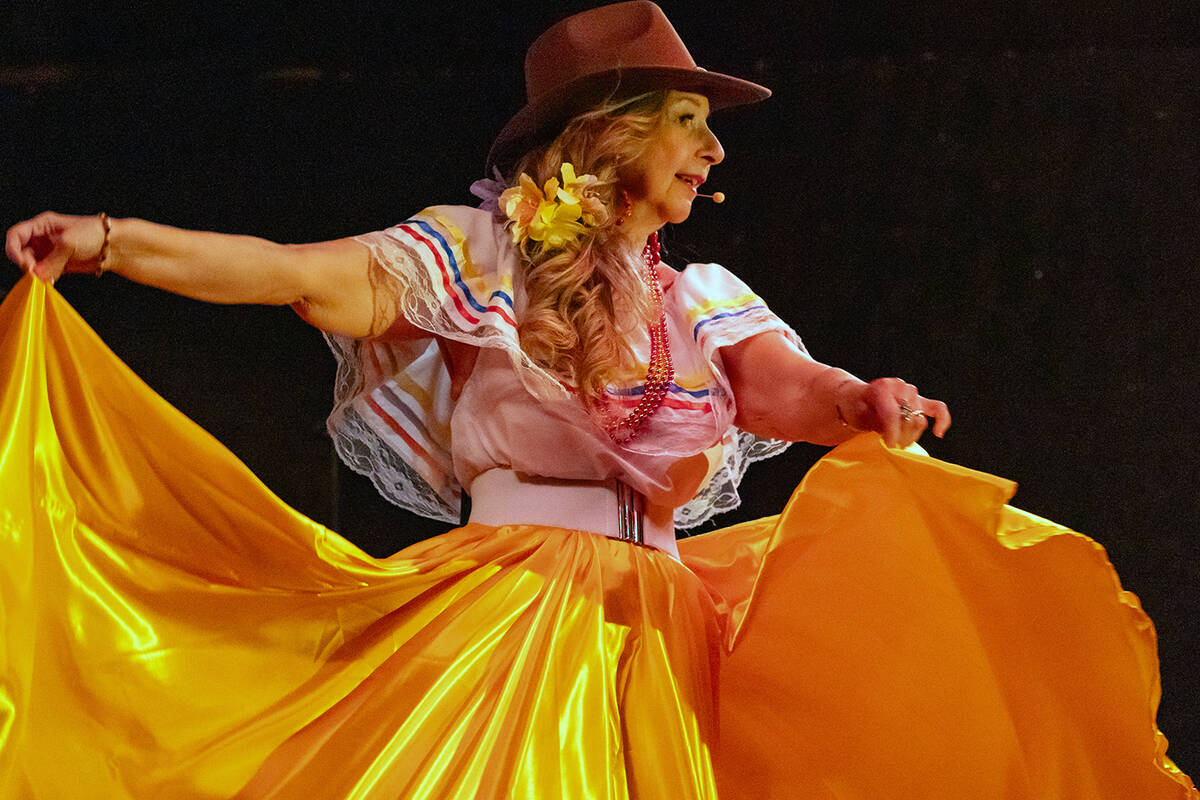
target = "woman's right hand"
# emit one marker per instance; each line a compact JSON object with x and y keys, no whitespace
{"x":50,"y":244}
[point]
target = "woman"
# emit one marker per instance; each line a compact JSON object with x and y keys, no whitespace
{"x":541,"y":357}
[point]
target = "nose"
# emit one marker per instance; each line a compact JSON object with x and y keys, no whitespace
{"x":711,"y":150}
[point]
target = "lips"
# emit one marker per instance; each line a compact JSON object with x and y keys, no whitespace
{"x":694,"y":181}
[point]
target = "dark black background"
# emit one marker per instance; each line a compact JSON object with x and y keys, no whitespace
{"x":997,"y":201}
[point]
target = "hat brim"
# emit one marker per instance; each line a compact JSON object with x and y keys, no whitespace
{"x":539,"y":122}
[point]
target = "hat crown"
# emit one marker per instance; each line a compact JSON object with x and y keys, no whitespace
{"x":606,"y":39}
{"x":614,"y":51}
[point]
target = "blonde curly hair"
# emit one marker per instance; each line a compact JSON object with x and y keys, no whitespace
{"x":586,"y":299}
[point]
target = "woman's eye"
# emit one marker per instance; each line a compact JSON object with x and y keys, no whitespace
{"x":686,"y":118}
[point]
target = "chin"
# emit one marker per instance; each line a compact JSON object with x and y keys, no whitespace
{"x":680,"y":214}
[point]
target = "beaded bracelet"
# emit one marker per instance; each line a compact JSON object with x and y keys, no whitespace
{"x":106,"y":223}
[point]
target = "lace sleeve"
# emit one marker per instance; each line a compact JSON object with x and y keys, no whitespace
{"x":391,"y":422}
{"x":720,"y":494}
{"x":721,"y":310}
{"x":449,"y":271}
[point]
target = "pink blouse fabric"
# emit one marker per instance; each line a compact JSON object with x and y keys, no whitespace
{"x":394,"y":419}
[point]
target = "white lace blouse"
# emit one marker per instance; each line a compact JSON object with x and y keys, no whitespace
{"x":394,"y":419}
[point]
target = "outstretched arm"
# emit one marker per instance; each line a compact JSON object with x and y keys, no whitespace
{"x":331,"y":284}
{"x":781,"y":393}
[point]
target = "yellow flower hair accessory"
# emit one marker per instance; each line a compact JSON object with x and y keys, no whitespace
{"x":555,"y":214}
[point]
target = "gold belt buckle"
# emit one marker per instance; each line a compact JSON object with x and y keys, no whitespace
{"x":631,"y":508}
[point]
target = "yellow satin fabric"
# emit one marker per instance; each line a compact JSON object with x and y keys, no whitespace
{"x":172,"y":630}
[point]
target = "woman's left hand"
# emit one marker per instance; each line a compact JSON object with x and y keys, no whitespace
{"x":893,"y":408}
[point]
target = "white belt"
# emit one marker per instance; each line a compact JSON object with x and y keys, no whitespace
{"x":611,"y":508}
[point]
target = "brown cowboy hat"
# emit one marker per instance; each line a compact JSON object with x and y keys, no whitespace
{"x":614,"y":51}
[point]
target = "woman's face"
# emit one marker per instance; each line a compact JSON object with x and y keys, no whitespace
{"x":662,"y":182}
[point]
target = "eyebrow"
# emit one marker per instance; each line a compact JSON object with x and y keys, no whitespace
{"x":689,"y":100}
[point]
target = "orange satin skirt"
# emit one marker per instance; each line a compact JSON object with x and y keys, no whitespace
{"x":172,"y":630}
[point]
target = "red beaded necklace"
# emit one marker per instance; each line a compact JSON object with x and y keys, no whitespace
{"x":660,"y":372}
